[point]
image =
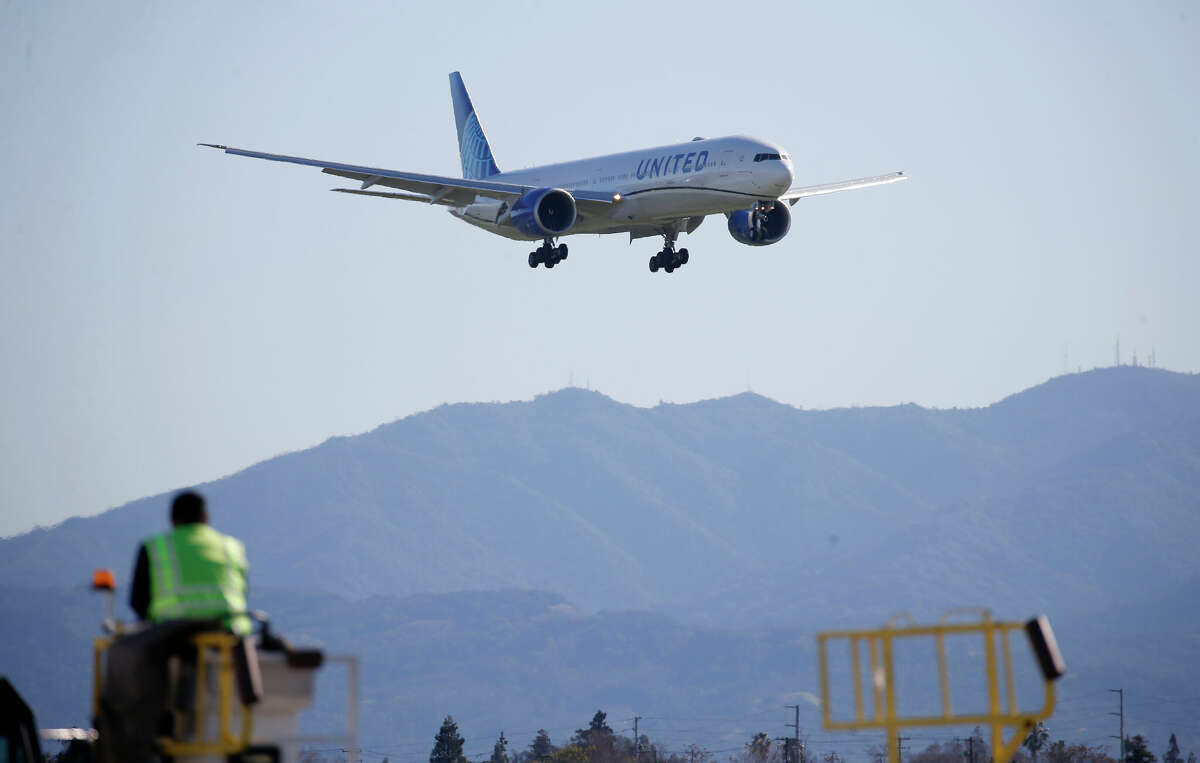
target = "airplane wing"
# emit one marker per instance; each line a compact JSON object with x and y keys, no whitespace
{"x":431,"y":189}
{"x":795,"y":194}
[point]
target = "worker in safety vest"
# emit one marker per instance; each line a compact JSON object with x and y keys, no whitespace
{"x":191,"y":572}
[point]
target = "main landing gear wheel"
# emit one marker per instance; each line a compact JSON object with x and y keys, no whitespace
{"x":668,"y":259}
{"x":547,"y":254}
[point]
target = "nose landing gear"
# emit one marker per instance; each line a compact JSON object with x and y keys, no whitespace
{"x":759,"y":217}
{"x":548,"y":254}
{"x":669,"y":259}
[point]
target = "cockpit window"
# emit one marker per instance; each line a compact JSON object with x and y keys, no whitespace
{"x":765,"y":157}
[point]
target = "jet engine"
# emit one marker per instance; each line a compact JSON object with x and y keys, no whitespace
{"x":761,"y":225}
{"x":544,"y":212}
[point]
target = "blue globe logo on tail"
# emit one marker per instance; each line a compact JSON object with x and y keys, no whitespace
{"x":473,"y":148}
{"x":477,"y":161}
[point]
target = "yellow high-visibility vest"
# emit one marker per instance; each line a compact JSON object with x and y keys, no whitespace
{"x":197,"y":573}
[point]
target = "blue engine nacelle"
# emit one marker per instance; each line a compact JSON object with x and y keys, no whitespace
{"x":772,"y":225}
{"x":544,"y":212}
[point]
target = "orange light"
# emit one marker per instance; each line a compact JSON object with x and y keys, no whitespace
{"x":104,"y":580}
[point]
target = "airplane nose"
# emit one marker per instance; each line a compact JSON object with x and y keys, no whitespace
{"x":780,"y":178}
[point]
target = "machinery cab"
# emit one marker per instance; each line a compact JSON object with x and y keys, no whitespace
{"x":191,"y":691}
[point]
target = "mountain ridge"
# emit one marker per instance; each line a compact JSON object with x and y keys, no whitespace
{"x":443,"y":497}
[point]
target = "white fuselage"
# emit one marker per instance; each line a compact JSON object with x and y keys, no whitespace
{"x":653,"y":187}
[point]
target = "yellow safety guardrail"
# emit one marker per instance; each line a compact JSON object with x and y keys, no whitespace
{"x":879,"y":646}
{"x":212,"y":647}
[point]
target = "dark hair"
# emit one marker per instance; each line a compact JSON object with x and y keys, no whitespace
{"x":188,"y":508}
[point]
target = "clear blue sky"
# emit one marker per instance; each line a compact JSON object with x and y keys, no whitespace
{"x":169,"y":315}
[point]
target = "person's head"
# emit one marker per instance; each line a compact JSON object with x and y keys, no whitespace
{"x":188,"y":508}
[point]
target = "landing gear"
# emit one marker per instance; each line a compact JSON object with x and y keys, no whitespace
{"x":668,"y":259}
{"x":548,"y":254}
{"x":759,"y":215}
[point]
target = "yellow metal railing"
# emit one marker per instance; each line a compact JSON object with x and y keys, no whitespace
{"x":879,"y":646}
{"x":211,"y":648}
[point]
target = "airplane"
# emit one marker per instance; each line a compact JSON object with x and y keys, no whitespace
{"x":661,"y":191}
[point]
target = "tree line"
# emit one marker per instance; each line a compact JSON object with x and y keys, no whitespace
{"x":598,"y":743}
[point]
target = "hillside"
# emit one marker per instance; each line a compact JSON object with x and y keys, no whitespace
{"x":620,"y":507}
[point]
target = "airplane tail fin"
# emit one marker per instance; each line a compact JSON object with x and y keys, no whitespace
{"x":477,"y":161}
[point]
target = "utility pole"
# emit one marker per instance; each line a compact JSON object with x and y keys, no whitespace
{"x":787,"y":747}
{"x":1121,"y":694}
{"x":900,"y":747}
{"x":796,"y":733}
{"x":637,"y":740}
